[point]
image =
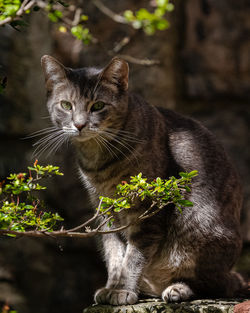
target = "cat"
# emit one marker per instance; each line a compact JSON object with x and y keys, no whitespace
{"x":118,"y":134}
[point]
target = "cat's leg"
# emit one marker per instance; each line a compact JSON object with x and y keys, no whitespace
{"x":114,"y":251}
{"x":214,"y":285}
{"x":121,"y":287}
{"x":177,"y":292}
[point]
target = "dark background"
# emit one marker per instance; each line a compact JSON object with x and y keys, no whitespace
{"x":204,"y":73}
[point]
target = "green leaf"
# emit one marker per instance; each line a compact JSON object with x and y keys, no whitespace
{"x":81,"y":33}
{"x":193,"y":174}
{"x":129,"y":15}
{"x":162,"y":24}
{"x":185,"y":203}
{"x":158,"y":180}
{"x":183,"y":174}
{"x":170,"y":7}
{"x":84,"y":17}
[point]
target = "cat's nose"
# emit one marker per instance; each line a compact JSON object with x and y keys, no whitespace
{"x":80,"y":126}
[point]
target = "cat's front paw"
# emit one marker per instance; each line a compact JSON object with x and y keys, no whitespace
{"x":115,"y":296}
{"x":177,"y":292}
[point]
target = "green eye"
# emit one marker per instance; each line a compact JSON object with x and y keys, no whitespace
{"x":97,"y":106}
{"x":66,"y":105}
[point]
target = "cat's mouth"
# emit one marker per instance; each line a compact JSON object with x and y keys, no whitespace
{"x":83,"y":135}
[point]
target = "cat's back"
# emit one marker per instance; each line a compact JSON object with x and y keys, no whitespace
{"x":192,"y":144}
{"x":193,"y":147}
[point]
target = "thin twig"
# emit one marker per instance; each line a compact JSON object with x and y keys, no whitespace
{"x":105,"y":221}
{"x":88,"y":221}
{"x":73,"y":234}
{"x":105,"y":10}
{"x":77,"y":17}
{"x":40,"y":234}
{"x":134,"y":60}
{"x":121,"y":44}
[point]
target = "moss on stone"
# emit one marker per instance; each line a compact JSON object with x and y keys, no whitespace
{"x":157,"y":306}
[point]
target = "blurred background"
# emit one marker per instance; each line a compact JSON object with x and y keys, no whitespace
{"x":203,"y":72}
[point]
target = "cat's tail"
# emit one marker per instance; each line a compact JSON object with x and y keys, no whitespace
{"x":239,"y":285}
{"x":244,"y":292}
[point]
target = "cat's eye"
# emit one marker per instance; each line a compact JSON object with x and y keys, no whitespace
{"x":66,"y":105}
{"x":97,"y":106}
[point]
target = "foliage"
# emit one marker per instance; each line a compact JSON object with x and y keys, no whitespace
{"x":159,"y":192}
{"x":9,"y":8}
{"x":20,"y":209}
{"x":7,"y":309}
{"x":59,"y":12}
{"x":150,"y":22}
{"x":69,"y":17}
{"x":23,"y":213}
{"x":81,"y":33}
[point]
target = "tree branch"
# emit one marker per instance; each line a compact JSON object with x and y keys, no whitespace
{"x":26,"y":5}
{"x":90,"y":220}
{"x":105,"y":10}
{"x":72,"y":233}
{"x":134,"y":60}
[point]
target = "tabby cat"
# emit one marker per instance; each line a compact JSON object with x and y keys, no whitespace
{"x":117,"y":134}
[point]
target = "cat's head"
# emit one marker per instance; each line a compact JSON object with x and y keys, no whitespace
{"x":84,"y":102}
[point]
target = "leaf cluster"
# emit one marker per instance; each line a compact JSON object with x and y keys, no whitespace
{"x":69,"y":18}
{"x":57,"y":11}
{"x":20,"y":209}
{"x":7,"y":309}
{"x":9,"y":8}
{"x":150,"y":22}
{"x":160,"y":192}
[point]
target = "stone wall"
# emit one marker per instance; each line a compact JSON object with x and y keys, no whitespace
{"x":157,"y":306}
{"x":204,"y":72}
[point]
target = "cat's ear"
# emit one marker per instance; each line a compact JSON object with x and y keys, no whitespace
{"x":116,"y":73}
{"x":54,"y":71}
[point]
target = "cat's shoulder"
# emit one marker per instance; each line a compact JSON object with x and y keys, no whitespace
{"x":177,"y":121}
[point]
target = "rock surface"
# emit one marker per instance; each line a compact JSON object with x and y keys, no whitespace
{"x":243,"y":307}
{"x":157,"y":306}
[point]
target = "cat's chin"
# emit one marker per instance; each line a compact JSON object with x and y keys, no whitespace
{"x":82,"y":138}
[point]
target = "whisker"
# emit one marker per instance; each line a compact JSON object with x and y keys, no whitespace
{"x":45,"y":145}
{"x":119,"y":141}
{"x":121,"y":131}
{"x":119,"y":150}
{"x":42,"y":132}
{"x":105,"y":143}
{"x":46,"y":128}
{"x":48,"y":137}
{"x":99,"y":144}
{"x":128,"y":136}
{"x":126,"y":146}
{"x":42,"y":148}
{"x":68,"y":140}
{"x":61,"y":140}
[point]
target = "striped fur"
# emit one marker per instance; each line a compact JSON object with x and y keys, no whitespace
{"x":173,"y":255}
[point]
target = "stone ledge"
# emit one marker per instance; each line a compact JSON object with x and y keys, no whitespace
{"x":158,"y":306}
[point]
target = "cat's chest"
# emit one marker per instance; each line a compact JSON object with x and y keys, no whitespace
{"x":99,"y":184}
